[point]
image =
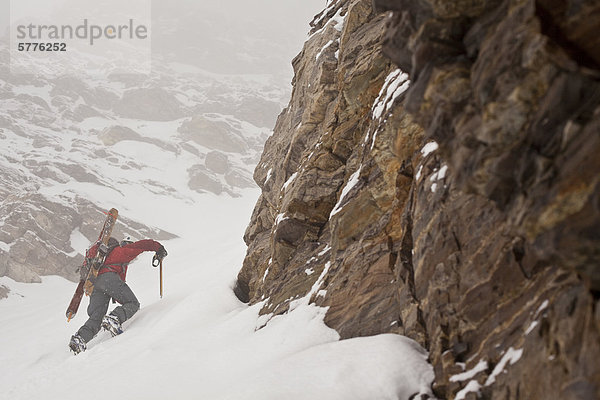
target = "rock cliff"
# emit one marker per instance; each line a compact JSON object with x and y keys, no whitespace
{"x":435,"y":174}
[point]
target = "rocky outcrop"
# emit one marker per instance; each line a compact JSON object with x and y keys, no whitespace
{"x":451,"y":196}
{"x":151,"y":104}
{"x":213,"y":135}
{"x":217,"y":162}
{"x":257,"y":111}
{"x":335,"y":177}
{"x":115,"y":134}
{"x":203,"y":180}
{"x":4,"y":291}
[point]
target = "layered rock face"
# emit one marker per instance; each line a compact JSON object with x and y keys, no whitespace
{"x":451,"y":196}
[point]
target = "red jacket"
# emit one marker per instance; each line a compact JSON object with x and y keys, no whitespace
{"x":119,"y":258}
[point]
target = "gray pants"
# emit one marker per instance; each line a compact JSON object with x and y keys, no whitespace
{"x":108,"y":286}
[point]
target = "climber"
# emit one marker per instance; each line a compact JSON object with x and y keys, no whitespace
{"x":110,"y":283}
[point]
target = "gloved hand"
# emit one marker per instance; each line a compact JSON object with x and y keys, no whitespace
{"x":158,"y":256}
{"x":161,"y":253}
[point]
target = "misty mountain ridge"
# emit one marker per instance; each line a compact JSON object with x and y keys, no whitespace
{"x":77,"y":143}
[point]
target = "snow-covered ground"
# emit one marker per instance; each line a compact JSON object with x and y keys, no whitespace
{"x":198,"y":341}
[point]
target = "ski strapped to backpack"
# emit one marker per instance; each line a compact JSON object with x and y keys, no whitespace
{"x":89,"y":270}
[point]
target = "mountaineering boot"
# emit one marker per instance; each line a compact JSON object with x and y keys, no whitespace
{"x":111,"y":323}
{"x":77,"y":344}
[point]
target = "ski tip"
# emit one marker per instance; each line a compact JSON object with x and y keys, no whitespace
{"x":113,"y":212}
{"x":69,"y":316}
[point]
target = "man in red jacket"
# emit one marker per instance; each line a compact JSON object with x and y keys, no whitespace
{"x":110,"y":283}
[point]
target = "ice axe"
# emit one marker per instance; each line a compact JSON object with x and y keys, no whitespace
{"x":155,"y":263}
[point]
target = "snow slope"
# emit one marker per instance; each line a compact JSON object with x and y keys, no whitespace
{"x":198,"y":341}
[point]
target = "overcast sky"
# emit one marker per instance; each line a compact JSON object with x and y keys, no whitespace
{"x":227,"y":36}
{"x":233,"y":36}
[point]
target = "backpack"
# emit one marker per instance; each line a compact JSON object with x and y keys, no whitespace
{"x":91,"y":266}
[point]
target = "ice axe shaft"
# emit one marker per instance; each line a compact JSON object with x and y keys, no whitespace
{"x":155,"y":263}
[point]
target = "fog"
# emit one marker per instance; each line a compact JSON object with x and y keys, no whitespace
{"x":226,"y":36}
{"x":233,"y":36}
